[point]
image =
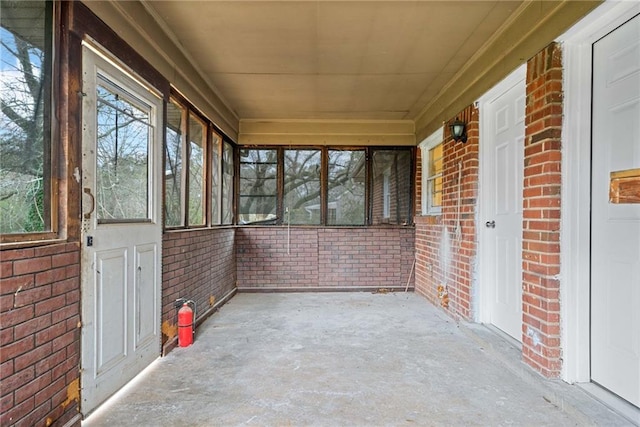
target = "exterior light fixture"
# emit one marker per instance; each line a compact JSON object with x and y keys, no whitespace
{"x":458,"y":130}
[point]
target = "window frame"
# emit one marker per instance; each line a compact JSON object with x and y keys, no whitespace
{"x":51,"y":151}
{"x":325,"y":212}
{"x":194,"y":117}
{"x":183,"y":154}
{"x":232,"y":176}
{"x":286,"y":215}
{"x":366,"y":156}
{"x":216,"y":148}
{"x":426,"y":147}
{"x":278,"y":217}
{"x":211,"y":133}
{"x":386,"y":194}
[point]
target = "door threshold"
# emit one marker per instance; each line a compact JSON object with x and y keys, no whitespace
{"x":613,"y":401}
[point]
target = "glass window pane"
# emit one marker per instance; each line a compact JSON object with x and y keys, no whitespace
{"x":197,"y":142}
{"x":174,"y":212}
{"x":391,"y":191}
{"x":435,"y":155}
{"x":227,"y":184}
{"x":434,"y":178}
{"x":346,"y":187}
{"x":122,"y":156}
{"x":216,"y":169}
{"x":258,"y":185}
{"x":25,"y":66}
{"x":436,"y":195}
{"x":302,"y":186}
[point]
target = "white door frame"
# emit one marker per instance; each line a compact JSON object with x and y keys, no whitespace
{"x":576,"y":183}
{"x":482,"y":300}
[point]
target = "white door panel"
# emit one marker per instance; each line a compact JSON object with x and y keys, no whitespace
{"x":146,"y":268}
{"x":502,"y":149}
{"x":110,"y":305}
{"x":615,"y":228}
{"x":121,"y":229}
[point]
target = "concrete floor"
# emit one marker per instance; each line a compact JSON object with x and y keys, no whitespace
{"x":345,"y":359}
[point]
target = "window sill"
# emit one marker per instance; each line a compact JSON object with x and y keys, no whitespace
{"x":30,"y":244}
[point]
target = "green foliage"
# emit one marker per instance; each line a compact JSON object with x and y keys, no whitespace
{"x":35,"y":215}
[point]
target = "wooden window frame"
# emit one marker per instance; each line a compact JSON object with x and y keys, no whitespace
{"x":52,"y":152}
{"x":324,"y":184}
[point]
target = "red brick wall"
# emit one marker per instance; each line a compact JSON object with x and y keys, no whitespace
{"x":541,"y":212}
{"x":199,"y":265}
{"x":324,"y":257}
{"x":39,"y":334}
{"x":457,"y":251}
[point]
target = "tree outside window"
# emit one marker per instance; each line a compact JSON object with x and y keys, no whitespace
{"x":26,"y":34}
{"x":173,"y":178}
{"x":258,"y":185}
{"x":197,"y":151}
{"x":228,"y":173}
{"x":346,"y":187}
{"x":302,"y":169}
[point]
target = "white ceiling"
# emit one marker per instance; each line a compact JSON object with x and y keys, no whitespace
{"x":335,"y":59}
{"x":324,"y":59}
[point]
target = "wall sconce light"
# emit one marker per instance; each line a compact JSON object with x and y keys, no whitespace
{"x":458,"y":130}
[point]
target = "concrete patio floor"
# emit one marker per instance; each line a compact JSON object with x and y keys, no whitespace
{"x":345,"y":359}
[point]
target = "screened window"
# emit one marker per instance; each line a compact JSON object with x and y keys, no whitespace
{"x":198,"y":170}
{"x":391,"y":187}
{"x":258,"y":185}
{"x":302,"y":186}
{"x":216,"y":178}
{"x":325,"y":186}
{"x":346,"y":187}
{"x":26,"y":47}
{"x":174,"y":208}
{"x":228,"y":173}
{"x":197,"y":144}
{"x":386,"y":195}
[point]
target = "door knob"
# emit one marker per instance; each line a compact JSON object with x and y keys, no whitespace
{"x":490,"y":224}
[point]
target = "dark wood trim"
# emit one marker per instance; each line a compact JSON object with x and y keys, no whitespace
{"x":85,"y":23}
{"x":71,"y":130}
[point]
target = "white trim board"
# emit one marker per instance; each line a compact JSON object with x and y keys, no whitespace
{"x":576,"y":177}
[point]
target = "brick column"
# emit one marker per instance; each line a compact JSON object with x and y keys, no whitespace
{"x":541,"y":213}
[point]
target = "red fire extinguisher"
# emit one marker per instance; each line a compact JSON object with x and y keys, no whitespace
{"x":185,"y":325}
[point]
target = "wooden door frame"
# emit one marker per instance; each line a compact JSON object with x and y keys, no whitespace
{"x":484,"y":290}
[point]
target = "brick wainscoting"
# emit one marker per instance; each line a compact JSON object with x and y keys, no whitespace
{"x":199,"y":265}
{"x":40,"y":334}
{"x":324,"y":257}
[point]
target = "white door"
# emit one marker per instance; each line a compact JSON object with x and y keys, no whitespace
{"x":615,"y":228}
{"x":502,"y":115}
{"x":121,"y":228}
